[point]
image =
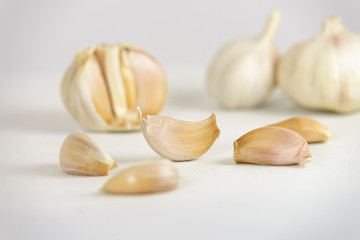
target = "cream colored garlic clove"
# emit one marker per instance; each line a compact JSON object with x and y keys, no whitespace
{"x":242,"y":73}
{"x":80,"y":155}
{"x":179,"y":140}
{"x":323,"y":73}
{"x":308,"y":128}
{"x":144,"y":178}
{"x":105,"y":83}
{"x":271,"y":146}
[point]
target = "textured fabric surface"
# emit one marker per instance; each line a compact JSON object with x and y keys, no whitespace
{"x":216,"y":199}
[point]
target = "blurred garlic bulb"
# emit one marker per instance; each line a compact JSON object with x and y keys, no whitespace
{"x":323,"y":73}
{"x":242,"y":72}
{"x":105,"y":83}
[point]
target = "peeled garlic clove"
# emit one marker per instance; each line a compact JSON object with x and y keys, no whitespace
{"x":311,"y":130}
{"x":271,"y":146}
{"x":179,"y":140}
{"x":144,"y":178}
{"x":323,"y":73}
{"x":242,"y":72}
{"x":80,"y":155}
{"x":105,"y":83}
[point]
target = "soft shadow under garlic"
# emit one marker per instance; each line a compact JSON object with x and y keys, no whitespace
{"x":48,"y":170}
{"x":225,"y":161}
{"x":49,"y":121}
{"x":278,"y":103}
{"x":191,"y":99}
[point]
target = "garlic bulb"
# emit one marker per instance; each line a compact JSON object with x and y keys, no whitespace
{"x":242,"y":72}
{"x":323,"y":73}
{"x":105,"y":83}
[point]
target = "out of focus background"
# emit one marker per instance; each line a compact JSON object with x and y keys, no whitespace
{"x":40,"y":37}
{"x":216,"y":199}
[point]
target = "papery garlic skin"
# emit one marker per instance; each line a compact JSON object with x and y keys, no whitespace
{"x":105,"y":83}
{"x":144,"y":178}
{"x":271,"y":146}
{"x":80,"y":155}
{"x":312,"y":131}
{"x":179,"y":140}
{"x":242,"y":73}
{"x":323,"y":73}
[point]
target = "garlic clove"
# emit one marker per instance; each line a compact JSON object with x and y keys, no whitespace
{"x":145,"y":69}
{"x":80,"y":155}
{"x":271,"y":146}
{"x":84,"y":92}
{"x":105,"y":83}
{"x":179,"y":140}
{"x":144,"y":178}
{"x":242,"y":72}
{"x":322,"y":73}
{"x":311,"y":130}
{"x":114,"y":78}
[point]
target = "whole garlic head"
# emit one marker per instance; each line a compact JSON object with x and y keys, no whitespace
{"x":242,"y":72}
{"x":323,"y":73}
{"x":105,"y":83}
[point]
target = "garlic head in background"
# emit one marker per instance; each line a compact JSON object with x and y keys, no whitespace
{"x":323,"y":73}
{"x":242,"y":73}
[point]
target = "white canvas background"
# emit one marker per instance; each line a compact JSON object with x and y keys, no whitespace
{"x":216,"y":199}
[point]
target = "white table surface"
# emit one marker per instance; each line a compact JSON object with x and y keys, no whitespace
{"x":217,"y":199}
